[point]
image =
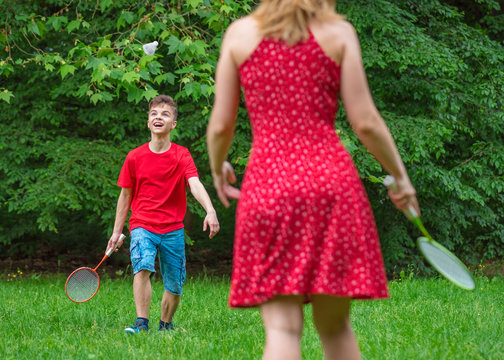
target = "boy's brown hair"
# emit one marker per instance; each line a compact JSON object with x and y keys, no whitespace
{"x":165,"y":99}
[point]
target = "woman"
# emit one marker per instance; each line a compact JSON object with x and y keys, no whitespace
{"x":304,"y":230}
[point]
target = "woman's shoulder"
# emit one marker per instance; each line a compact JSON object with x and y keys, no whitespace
{"x":243,"y":27}
{"x":241,"y":38}
{"x":334,"y":36}
{"x":339,"y":28}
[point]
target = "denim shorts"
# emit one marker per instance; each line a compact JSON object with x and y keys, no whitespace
{"x":172,"y":262}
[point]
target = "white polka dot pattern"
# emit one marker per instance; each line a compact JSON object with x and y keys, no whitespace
{"x":304,"y":224}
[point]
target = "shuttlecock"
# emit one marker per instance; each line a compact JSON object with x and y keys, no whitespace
{"x":150,"y":48}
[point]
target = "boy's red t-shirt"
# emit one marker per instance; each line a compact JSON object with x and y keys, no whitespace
{"x":158,"y":187}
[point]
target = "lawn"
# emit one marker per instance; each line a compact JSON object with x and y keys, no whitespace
{"x":424,"y":319}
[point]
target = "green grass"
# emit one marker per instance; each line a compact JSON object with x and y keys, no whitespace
{"x":424,"y":319}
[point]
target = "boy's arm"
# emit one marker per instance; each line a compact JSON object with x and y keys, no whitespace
{"x":123,"y":206}
{"x":201,"y":195}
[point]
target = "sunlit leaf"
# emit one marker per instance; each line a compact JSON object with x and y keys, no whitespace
{"x":104,"y":4}
{"x":57,"y":22}
{"x":6,"y":96}
{"x":66,"y":69}
{"x":131,"y":77}
{"x":74,"y":25}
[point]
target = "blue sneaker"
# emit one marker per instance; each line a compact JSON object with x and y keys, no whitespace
{"x":140,"y":326}
{"x":166,"y":327}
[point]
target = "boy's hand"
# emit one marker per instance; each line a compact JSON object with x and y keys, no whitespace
{"x":114,"y":239}
{"x":212,"y":222}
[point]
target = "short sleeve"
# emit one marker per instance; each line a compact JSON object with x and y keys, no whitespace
{"x":189,"y":167}
{"x":127,"y":174}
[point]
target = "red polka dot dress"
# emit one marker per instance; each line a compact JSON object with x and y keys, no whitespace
{"x":304,"y":224}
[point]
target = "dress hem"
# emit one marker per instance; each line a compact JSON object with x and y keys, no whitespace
{"x":307,"y":298}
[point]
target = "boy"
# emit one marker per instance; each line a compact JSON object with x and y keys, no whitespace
{"x":152,"y":182}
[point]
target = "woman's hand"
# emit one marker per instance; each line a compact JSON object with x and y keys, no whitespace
{"x":404,"y":195}
{"x":222,"y":183}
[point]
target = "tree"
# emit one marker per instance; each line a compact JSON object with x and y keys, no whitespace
{"x":487,"y":15}
{"x":75,"y":84}
{"x":438,"y":83}
{"x":76,"y":89}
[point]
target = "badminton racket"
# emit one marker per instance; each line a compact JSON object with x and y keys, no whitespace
{"x":83,"y":283}
{"x":439,"y":257}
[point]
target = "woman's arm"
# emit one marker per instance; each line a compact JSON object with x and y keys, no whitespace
{"x":367,"y":122}
{"x":222,"y":122}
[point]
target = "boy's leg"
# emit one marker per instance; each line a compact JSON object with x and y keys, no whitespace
{"x":143,"y":255}
{"x":172,"y":265}
{"x":142,"y":292}
{"x":169,"y":305}
{"x":283,"y":322}
{"x":331,"y":316}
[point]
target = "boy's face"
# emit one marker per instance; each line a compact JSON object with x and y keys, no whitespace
{"x":161,"y":120}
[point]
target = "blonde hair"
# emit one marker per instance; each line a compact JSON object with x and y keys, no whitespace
{"x":288,"y":19}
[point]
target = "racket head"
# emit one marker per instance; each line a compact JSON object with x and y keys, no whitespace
{"x":446,"y":263}
{"x":82,"y":284}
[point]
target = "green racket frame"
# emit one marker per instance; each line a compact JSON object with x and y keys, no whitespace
{"x":452,"y":256}
{"x":412,"y":215}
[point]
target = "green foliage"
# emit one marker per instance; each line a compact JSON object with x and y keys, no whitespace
{"x":487,"y":15}
{"x":76,"y":96}
{"x":75,"y":85}
{"x":439,"y":84}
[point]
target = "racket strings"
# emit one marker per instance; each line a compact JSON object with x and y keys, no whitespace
{"x":446,"y":264}
{"x":82,"y":285}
